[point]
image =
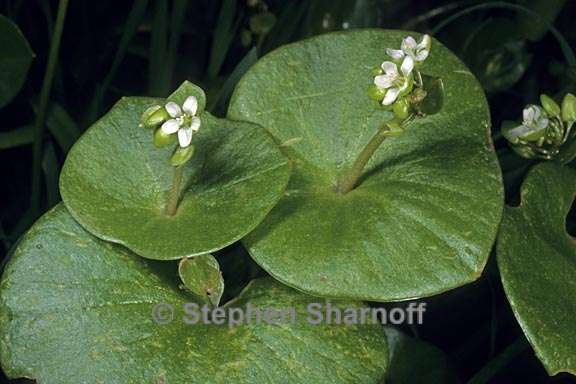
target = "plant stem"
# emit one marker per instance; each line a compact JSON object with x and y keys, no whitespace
{"x":44,"y":97}
{"x":174,"y":196}
{"x":351,"y":177}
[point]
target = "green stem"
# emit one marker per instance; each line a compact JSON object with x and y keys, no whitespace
{"x":503,"y":359}
{"x":174,"y":196}
{"x":44,"y":97}
{"x":351,"y":177}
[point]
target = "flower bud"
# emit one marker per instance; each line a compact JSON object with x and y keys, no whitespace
{"x":146,"y":116}
{"x":401,"y":109}
{"x":376,"y":71}
{"x":569,"y":108}
{"x":163,"y":139}
{"x":550,"y":106}
{"x":181,"y":155}
{"x":376,"y":93}
{"x":154,"y":116}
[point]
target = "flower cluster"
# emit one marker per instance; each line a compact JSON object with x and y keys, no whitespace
{"x":395,"y":79}
{"x":544,"y":129}
{"x":172,"y":123}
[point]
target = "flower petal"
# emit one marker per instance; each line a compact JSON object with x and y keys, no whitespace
{"x":529,"y":113}
{"x":390,"y":68}
{"x":422,"y":55}
{"x":195,"y":125}
{"x":173,"y":109}
{"x":408,"y":44}
{"x":390,"y":96}
{"x":170,"y":126}
{"x":425,"y":43}
{"x":542,"y":123}
{"x":383,"y":81}
{"x":185,"y":136}
{"x":407,"y":65}
{"x":190,"y":106}
{"x":396,"y":54}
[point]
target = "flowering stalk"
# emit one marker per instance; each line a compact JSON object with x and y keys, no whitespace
{"x":351,"y":178}
{"x":174,"y":195}
{"x":174,"y":123}
{"x":397,"y":86}
{"x":544,"y":129}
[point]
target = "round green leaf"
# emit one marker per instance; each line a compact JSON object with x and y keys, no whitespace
{"x":423,"y":219}
{"x":15,"y":59}
{"x":76,"y":309}
{"x":201,"y":276}
{"x":115,"y":183}
{"x":537,"y":262}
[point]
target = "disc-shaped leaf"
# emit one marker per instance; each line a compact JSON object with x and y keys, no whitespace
{"x":425,"y":214}
{"x":537,"y":262}
{"x":76,"y":309}
{"x":15,"y":59}
{"x":116,"y":183}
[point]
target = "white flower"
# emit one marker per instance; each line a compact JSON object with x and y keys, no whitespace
{"x":533,"y":125}
{"x":393,"y":81}
{"x":183,"y":120}
{"x":409,"y":48}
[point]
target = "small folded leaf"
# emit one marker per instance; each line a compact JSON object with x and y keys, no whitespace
{"x":116,"y":183}
{"x":15,"y":59}
{"x":76,"y":309}
{"x":202,"y":278}
{"x":537,"y":262}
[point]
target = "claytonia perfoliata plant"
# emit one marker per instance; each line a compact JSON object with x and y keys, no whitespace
{"x":398,"y":82}
{"x":544,"y":129}
{"x":172,"y":123}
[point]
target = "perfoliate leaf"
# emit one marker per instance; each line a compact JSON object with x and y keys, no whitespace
{"x":424,"y":216}
{"x":76,"y":309}
{"x":536,"y":258}
{"x":116,"y":183}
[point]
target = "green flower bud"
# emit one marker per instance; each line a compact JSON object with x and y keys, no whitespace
{"x":569,"y":108}
{"x":146,"y":116}
{"x":401,"y":109}
{"x":181,"y":155}
{"x":550,"y":106}
{"x":376,"y":93}
{"x":376,"y":71}
{"x":154,"y":116}
{"x":162,"y":139}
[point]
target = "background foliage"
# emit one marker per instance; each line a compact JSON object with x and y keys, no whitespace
{"x":518,"y":49}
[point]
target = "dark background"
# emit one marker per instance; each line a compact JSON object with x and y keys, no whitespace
{"x":508,"y":45}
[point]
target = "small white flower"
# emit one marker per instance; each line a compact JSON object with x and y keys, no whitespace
{"x":184,"y":120}
{"x":533,"y":125}
{"x":409,"y":48}
{"x":394,"y":81}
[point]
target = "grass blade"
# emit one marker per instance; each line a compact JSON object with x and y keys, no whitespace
{"x":158,"y":50}
{"x":44,"y":97}
{"x":223,"y":35}
{"x":17,"y":137}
